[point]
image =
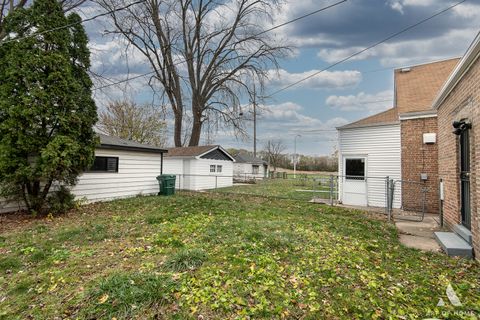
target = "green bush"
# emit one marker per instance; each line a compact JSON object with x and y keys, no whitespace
{"x":61,"y":201}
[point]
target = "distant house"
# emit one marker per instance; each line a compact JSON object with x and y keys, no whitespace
{"x":121,"y":168}
{"x":399,"y":143}
{"x":458,"y":109}
{"x":200,"y":168}
{"x":247,"y":167}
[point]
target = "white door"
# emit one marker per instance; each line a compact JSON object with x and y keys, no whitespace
{"x":355,"y":181}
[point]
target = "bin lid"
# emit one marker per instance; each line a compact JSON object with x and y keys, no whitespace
{"x":166,"y":176}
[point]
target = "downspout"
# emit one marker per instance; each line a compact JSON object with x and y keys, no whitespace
{"x":161,"y":163}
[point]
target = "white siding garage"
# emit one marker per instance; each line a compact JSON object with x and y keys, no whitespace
{"x":200,"y":168}
{"x":369,"y":152}
{"x":136,"y":175}
{"x":247,"y":167}
{"x":122,"y":168}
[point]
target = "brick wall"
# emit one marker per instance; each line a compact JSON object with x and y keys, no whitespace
{"x":462,"y":103}
{"x":418,"y":158}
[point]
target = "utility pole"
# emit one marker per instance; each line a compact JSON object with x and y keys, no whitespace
{"x":254,"y":122}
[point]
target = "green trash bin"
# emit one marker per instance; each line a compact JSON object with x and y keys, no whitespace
{"x":166,"y":183}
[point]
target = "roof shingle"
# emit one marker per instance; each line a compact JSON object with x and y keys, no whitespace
{"x":189,"y":151}
{"x":117,"y":143}
{"x":417,"y":86}
{"x":385,"y":117}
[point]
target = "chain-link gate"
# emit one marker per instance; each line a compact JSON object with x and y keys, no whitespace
{"x":414,"y":198}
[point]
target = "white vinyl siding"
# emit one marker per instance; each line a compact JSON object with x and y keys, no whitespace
{"x":137,"y":172}
{"x":246,"y":171}
{"x":195,"y":174}
{"x":381,"y":145}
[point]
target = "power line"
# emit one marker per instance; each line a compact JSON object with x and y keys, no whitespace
{"x":301,"y":17}
{"x":256,"y":35}
{"x":71,"y":24}
{"x":365,"y":49}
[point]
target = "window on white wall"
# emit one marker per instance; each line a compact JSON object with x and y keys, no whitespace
{"x":105,"y":164}
{"x":255,"y":169}
{"x":219,"y":169}
{"x":212,"y":168}
{"x":355,"y":169}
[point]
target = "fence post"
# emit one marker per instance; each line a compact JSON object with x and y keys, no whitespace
{"x":331,"y":189}
{"x":391,"y":197}
{"x":441,"y":196}
{"x":387,"y":197}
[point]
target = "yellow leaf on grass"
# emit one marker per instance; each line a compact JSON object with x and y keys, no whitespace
{"x":103,"y":299}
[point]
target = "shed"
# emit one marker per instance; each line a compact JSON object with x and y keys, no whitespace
{"x":200,"y":168}
{"x":248,"y":167}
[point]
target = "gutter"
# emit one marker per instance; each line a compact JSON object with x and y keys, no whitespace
{"x":379,"y":124}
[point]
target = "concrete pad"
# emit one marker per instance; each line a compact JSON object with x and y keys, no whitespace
{"x":424,"y":228}
{"x":421,"y":243}
{"x":418,"y":234}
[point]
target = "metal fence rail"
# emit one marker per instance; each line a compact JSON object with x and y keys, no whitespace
{"x":318,"y":188}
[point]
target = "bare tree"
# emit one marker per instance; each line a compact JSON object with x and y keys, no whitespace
{"x":8,"y":6}
{"x":140,"y":123}
{"x":205,"y":53}
{"x":273,"y":151}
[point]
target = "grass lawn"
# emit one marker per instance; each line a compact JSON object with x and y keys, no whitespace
{"x":204,"y":256}
{"x":302,"y":188}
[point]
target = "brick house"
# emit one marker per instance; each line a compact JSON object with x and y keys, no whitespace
{"x":457,"y":105}
{"x":399,"y":143}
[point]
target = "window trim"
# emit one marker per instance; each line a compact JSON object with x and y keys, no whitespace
{"x":91,"y":169}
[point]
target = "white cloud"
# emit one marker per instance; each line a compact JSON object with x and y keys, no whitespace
{"x":468,"y":11}
{"x":289,"y":117}
{"x":324,"y":80}
{"x":371,"y":103}
{"x":408,"y":52}
{"x":399,"y":5}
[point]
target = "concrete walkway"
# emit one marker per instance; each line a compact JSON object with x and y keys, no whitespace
{"x":418,"y":235}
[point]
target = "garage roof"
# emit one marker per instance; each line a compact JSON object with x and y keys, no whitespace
{"x":109,"y":142}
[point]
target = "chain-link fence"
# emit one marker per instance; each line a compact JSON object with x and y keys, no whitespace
{"x":318,"y":188}
{"x":394,"y":197}
{"x":416,"y":198}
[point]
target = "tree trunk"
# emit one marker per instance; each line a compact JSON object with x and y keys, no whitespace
{"x":196,"y":131}
{"x":177,"y":135}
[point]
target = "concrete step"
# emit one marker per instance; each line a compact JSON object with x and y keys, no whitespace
{"x":454,"y":245}
{"x":463,"y":233}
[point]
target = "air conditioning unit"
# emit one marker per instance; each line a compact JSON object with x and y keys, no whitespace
{"x":429,"y":138}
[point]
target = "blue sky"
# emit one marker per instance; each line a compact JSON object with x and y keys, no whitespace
{"x":350,"y":91}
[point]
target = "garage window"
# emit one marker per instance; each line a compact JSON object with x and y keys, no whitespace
{"x":212,"y":168}
{"x":355,"y":169}
{"x":105,"y":164}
